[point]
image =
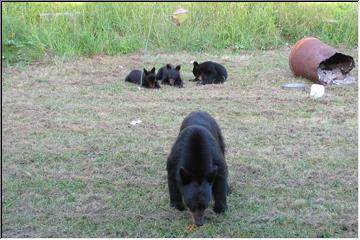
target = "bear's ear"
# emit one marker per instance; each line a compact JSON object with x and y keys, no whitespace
{"x":168,"y":66}
{"x":184,"y":175}
{"x":195,"y":64}
{"x":146,"y":72}
{"x":178,"y":68}
{"x":211,"y":176}
{"x":153,"y":70}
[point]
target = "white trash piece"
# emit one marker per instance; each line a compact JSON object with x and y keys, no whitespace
{"x":134,"y":122}
{"x":317,"y":91}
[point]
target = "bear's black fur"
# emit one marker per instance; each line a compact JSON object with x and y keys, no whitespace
{"x":196,"y":167}
{"x":170,"y":75}
{"x":209,"y":72}
{"x":148,"y":78}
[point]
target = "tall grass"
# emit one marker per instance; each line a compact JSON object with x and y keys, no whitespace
{"x":115,"y":28}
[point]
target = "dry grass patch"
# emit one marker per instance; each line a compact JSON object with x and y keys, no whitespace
{"x":75,"y":167}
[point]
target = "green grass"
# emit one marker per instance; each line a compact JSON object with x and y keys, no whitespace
{"x":74,"y":167}
{"x":119,"y":28}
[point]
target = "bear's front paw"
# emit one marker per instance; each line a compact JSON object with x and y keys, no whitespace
{"x":220,"y":208}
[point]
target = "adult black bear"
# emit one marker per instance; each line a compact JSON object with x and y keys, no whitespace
{"x":209,"y":72}
{"x":170,"y":75}
{"x":148,"y":78}
{"x":196,"y":167}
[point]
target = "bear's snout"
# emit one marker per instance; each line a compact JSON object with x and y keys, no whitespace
{"x":198,"y":217}
{"x":172,"y":81}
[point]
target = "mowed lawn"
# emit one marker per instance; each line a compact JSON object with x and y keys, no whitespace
{"x":73,"y":166}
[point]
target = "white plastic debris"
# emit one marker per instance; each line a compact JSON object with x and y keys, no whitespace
{"x":134,"y":122}
{"x":300,"y":86}
{"x":349,"y":80}
{"x":180,"y":11}
{"x":317,"y":91}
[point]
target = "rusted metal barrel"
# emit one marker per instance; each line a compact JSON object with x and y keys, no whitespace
{"x":309,"y":53}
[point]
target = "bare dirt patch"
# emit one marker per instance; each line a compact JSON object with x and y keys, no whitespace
{"x":91,"y":205}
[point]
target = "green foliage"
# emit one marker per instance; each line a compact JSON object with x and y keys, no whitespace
{"x":114,"y":28}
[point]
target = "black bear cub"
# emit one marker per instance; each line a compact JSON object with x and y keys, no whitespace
{"x":170,"y":75}
{"x":148,"y":78}
{"x":209,"y":72}
{"x":196,"y":167}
